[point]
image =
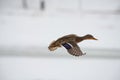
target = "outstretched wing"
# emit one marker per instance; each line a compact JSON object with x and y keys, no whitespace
{"x":73,"y":49}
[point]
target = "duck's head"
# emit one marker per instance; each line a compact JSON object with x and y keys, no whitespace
{"x":89,"y":37}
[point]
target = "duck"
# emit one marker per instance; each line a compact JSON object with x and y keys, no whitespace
{"x":70,"y":43}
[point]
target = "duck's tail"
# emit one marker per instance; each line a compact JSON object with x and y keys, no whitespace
{"x":53,"y":46}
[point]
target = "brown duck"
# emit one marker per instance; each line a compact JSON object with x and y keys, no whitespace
{"x":70,"y":43}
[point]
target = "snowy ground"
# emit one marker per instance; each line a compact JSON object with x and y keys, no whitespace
{"x":51,"y":68}
{"x":41,"y":64}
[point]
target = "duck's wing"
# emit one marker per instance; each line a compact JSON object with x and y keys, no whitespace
{"x":73,"y":49}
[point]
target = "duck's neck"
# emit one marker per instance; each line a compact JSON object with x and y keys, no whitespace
{"x":85,"y":37}
{"x":79,"y":39}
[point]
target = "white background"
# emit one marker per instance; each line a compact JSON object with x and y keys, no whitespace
{"x":26,"y":33}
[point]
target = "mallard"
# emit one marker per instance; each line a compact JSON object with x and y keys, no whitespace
{"x":70,"y":43}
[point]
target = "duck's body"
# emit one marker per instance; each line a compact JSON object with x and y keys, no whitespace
{"x":70,"y":43}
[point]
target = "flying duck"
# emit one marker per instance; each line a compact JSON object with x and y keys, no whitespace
{"x":70,"y":43}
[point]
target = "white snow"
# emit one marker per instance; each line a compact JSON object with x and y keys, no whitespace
{"x":33,"y":68}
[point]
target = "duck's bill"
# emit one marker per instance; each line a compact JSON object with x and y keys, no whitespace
{"x":95,"y":39}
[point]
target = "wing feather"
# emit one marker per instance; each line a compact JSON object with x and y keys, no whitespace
{"x":73,"y":49}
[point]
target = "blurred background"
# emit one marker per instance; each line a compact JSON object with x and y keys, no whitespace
{"x":27,"y":27}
